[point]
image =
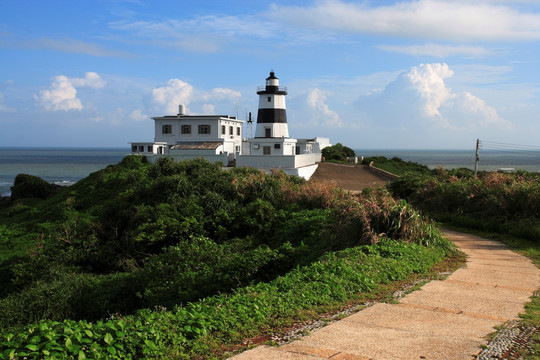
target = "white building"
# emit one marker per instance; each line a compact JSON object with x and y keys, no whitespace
{"x":214,"y":137}
{"x":272,"y":147}
{"x":218,"y":138}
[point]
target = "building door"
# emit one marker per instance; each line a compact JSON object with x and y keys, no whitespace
{"x":268,"y":132}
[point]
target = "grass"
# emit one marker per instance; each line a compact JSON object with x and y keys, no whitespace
{"x":331,"y":312}
{"x":217,"y":327}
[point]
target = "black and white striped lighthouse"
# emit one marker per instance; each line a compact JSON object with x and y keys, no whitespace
{"x":272,"y":115}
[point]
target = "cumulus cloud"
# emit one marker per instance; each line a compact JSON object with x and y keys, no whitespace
{"x":319,"y":111}
{"x":421,"y":94}
{"x":138,"y":115}
{"x":177,"y":92}
{"x":62,"y":93}
{"x":426,"y":19}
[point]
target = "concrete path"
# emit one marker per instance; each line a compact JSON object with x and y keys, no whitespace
{"x":446,"y":319}
{"x":353,"y":178}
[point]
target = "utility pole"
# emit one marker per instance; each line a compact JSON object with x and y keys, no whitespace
{"x":476,"y":158}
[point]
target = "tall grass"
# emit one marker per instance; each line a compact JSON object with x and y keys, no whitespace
{"x":500,"y":202}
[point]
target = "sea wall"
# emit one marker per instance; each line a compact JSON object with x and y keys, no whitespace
{"x":382,"y":172}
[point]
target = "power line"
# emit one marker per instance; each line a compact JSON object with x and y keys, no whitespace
{"x":508,"y":147}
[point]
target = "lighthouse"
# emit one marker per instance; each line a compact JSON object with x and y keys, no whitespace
{"x":272,"y":114}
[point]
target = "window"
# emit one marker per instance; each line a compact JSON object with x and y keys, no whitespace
{"x":166,"y":129}
{"x":267,"y":150}
{"x":150,"y":148}
{"x":237,"y":148}
{"x":238,"y":131}
{"x":269,"y":99}
{"x":256,"y":146}
{"x":141,"y":148}
{"x":222,"y":129}
{"x":133,"y":148}
{"x":186,"y":129}
{"x":268,"y":132}
{"x":231,"y":130}
{"x":204,"y":129}
{"x":277,"y":146}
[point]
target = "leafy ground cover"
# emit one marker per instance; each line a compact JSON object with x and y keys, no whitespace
{"x":396,"y":165}
{"x":203,"y":327}
{"x":183,"y":259}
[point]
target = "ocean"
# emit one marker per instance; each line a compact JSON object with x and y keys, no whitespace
{"x":63,"y":166}
{"x":489,"y":160}
{"x":66,"y":166}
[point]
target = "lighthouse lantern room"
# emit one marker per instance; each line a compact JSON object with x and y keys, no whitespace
{"x":272,"y":114}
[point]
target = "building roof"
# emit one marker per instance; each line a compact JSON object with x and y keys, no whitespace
{"x":227,"y":117}
{"x":197,"y":145}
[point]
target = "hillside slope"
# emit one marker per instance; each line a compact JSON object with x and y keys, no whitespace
{"x":349,"y":177}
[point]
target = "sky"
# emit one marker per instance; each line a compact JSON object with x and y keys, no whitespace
{"x":423,"y":74}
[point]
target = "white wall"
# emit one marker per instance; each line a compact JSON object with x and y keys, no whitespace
{"x":283,"y":161}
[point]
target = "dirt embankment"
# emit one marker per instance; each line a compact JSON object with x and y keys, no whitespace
{"x":349,"y":177}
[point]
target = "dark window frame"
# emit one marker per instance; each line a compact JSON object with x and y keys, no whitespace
{"x":204,"y":129}
{"x":166,"y":129}
{"x":185,"y":129}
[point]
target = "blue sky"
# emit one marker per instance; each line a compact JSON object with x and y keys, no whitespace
{"x":434,"y":74}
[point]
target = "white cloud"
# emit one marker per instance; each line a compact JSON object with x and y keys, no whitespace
{"x":428,"y":80}
{"x":464,"y":104}
{"x":426,"y":19}
{"x":138,"y":115}
{"x":62,"y":93}
{"x":208,"y":109}
{"x":75,"y":47}
{"x":438,"y":50}
{"x":91,"y":80}
{"x":319,"y":111}
{"x":204,"y":34}
{"x":421,"y":94}
{"x":177,"y":92}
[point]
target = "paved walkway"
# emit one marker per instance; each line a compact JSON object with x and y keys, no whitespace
{"x":353,"y":178}
{"x":446,"y":319}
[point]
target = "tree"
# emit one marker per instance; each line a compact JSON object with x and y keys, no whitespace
{"x":337,"y":152}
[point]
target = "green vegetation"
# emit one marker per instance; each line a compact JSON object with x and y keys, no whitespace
{"x":337,"y":152}
{"x":184,"y":260}
{"x":28,"y":186}
{"x":396,"y":165}
{"x":497,"y":202}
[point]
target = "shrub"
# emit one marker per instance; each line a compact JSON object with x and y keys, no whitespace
{"x":337,"y":152}
{"x":28,"y":186}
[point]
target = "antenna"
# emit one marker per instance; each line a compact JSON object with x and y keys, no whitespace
{"x":250,"y":127}
{"x":236,"y":105}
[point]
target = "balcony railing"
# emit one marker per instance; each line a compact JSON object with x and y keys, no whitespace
{"x":280,"y":88}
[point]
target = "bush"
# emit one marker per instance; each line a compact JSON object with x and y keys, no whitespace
{"x":131,"y":225}
{"x":28,"y":186}
{"x":198,"y":328}
{"x":337,"y":152}
{"x":499,"y":202}
{"x":70,"y":295}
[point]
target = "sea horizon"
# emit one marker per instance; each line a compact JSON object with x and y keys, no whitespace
{"x":67,"y":165}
